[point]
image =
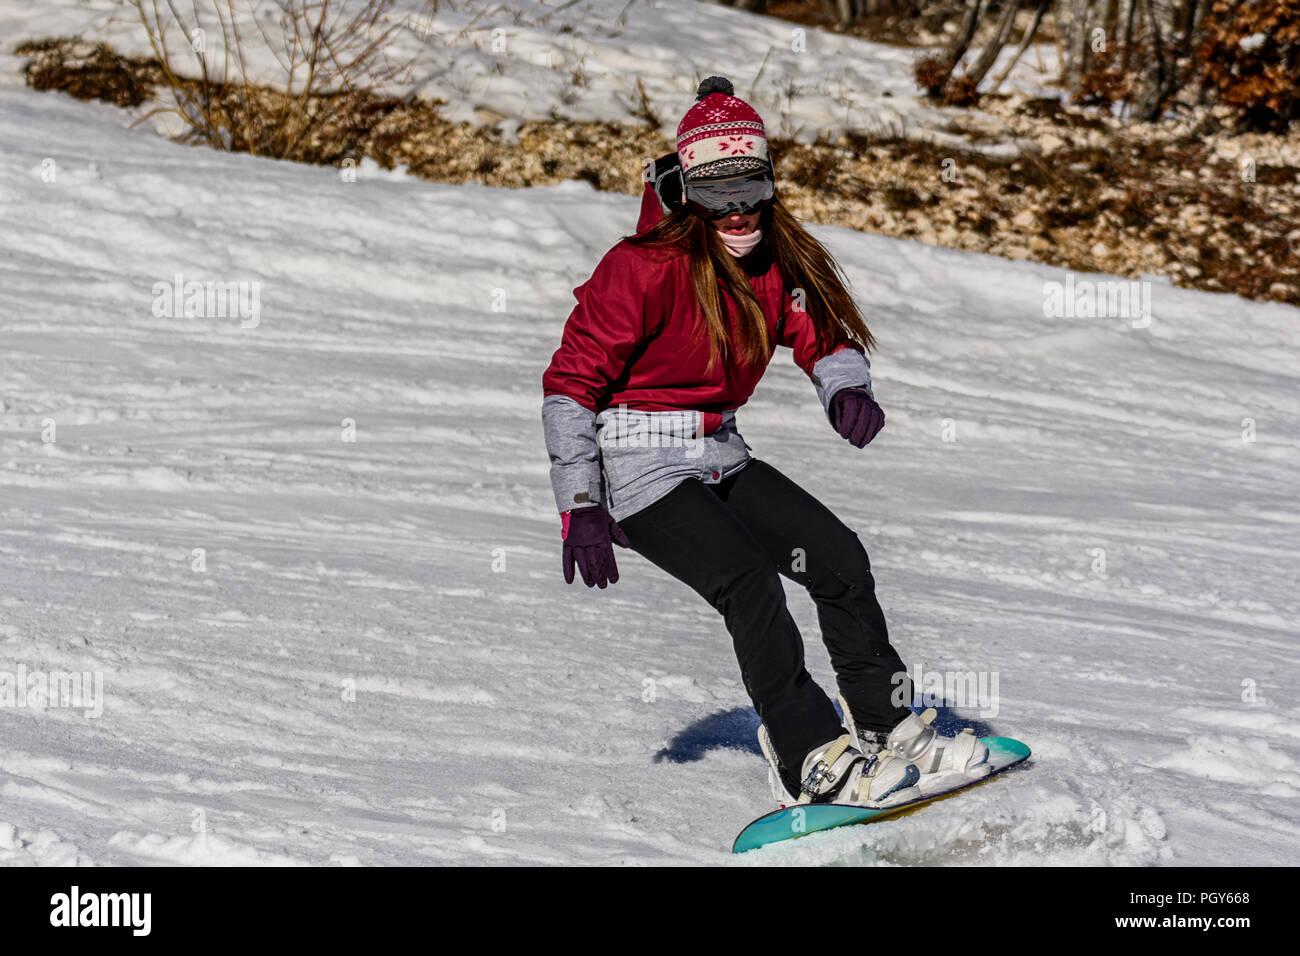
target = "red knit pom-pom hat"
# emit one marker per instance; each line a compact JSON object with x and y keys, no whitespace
{"x":720,"y":136}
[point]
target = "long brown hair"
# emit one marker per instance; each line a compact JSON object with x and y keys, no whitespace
{"x":807,"y":268}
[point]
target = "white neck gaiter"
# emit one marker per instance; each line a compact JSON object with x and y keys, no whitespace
{"x":741,"y":245}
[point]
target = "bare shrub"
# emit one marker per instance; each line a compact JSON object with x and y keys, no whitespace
{"x":333,"y":64}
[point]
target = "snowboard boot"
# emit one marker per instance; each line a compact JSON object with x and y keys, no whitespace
{"x":837,"y":772}
{"x":915,"y":740}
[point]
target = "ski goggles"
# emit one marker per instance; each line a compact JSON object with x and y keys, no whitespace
{"x":717,"y":199}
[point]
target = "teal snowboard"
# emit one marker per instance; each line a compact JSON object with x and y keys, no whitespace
{"x":797,"y":821}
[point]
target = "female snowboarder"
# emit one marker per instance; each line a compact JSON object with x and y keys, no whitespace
{"x":670,"y":336}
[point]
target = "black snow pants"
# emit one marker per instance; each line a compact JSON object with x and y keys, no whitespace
{"x":729,"y":541}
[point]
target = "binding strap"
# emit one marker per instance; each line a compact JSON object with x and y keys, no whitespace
{"x":822,"y":771}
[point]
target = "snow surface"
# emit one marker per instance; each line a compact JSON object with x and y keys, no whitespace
{"x":500,"y":716}
{"x":508,"y":63}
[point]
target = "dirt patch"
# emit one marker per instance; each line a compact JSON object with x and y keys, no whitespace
{"x":89,"y":72}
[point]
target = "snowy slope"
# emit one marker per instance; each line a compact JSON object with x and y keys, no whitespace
{"x":508,"y":63}
{"x":498,"y":715}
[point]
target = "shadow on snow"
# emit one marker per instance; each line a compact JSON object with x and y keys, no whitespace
{"x":737,"y":729}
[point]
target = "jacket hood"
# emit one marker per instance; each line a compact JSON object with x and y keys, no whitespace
{"x":651,"y":211}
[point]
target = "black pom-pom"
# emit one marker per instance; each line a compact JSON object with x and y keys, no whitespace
{"x":715,"y":84}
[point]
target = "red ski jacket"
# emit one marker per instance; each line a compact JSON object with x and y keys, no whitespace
{"x":629,"y":409}
{"x":635,"y":337}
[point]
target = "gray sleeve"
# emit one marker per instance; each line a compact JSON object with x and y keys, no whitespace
{"x":843,"y":369}
{"x":575,"y":454}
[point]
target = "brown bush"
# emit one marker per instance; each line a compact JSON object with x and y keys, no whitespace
{"x":961,"y":91}
{"x":934,"y":75}
{"x":1260,"y":79}
{"x":931,"y":74}
{"x":1106,"y":81}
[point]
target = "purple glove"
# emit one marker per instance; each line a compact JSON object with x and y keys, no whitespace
{"x":856,"y":415}
{"x":587,"y":533}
